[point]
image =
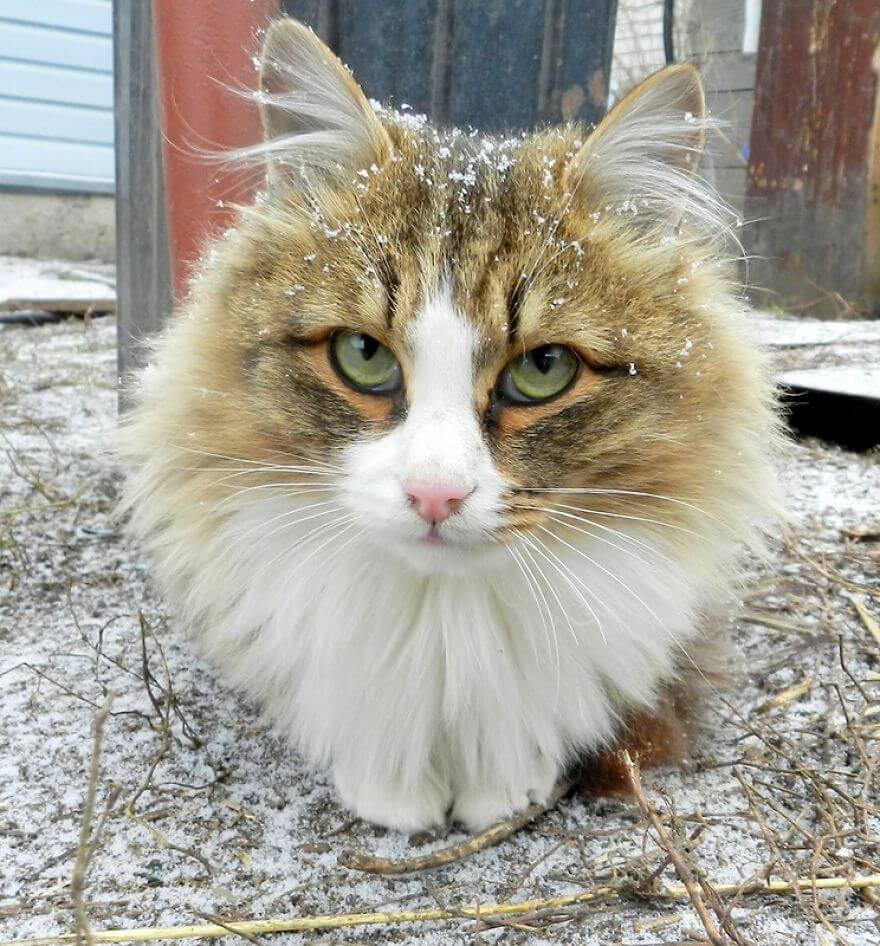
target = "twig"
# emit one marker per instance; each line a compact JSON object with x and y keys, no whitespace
{"x":84,"y":850}
{"x":342,"y":920}
{"x":682,"y":869}
{"x":457,"y":852}
{"x":221,"y":922}
{"x":784,"y":697}
{"x":870,"y":623}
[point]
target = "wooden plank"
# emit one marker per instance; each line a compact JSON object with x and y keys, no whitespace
{"x":143,"y":276}
{"x":815,"y":115}
{"x":93,"y":16}
{"x":731,"y":185}
{"x":496,"y":65}
{"x":47,"y":83}
{"x":20,"y":41}
{"x":200,"y":109}
{"x":389,"y":47}
{"x":72,"y":304}
{"x":586,"y":47}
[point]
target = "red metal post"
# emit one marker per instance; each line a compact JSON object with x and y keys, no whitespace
{"x":205,"y":49}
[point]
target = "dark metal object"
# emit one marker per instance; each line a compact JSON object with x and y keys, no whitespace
{"x":848,"y":420}
{"x":668,"y":36}
{"x":143,"y":282}
{"x":497,"y":65}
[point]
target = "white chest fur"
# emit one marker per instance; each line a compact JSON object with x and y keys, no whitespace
{"x":429,"y":690}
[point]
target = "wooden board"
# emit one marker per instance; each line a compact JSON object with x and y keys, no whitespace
{"x":496,"y":65}
{"x":49,"y":286}
{"x":816,"y":125}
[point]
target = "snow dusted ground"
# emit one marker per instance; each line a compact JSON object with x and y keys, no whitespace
{"x":214,"y":815}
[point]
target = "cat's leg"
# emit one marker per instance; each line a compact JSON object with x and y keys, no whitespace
{"x":387,"y":800}
{"x":481,"y":803}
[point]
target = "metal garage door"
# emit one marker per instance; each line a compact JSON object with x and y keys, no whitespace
{"x":56,"y":94}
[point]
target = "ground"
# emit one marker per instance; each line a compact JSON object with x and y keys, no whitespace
{"x":200,"y":810}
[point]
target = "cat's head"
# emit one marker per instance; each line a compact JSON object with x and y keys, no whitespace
{"x":452,"y":340}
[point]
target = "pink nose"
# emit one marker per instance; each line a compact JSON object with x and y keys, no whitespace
{"x":435,"y":503}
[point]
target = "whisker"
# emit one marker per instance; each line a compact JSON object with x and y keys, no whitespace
{"x":554,"y":509}
{"x":332,"y":538}
{"x":554,"y":516}
{"x":287,"y":514}
{"x":638,"y":543}
{"x":558,"y":507}
{"x":280,"y":487}
{"x":654,"y":566}
{"x":626,"y":588}
{"x":600,"y":491}
{"x":245,"y":460}
{"x":587,"y":604}
{"x":554,"y":637}
{"x":311,"y":471}
{"x":302,"y":541}
{"x":529,"y":579}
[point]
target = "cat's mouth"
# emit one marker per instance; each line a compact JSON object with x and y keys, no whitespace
{"x":434,"y":537}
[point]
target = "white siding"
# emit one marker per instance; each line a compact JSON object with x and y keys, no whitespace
{"x":56,"y":94}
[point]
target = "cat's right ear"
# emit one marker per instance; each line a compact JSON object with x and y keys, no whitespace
{"x":318,"y":126}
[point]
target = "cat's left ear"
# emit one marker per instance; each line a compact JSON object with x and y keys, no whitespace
{"x":647,"y":148}
{"x":317,"y":123}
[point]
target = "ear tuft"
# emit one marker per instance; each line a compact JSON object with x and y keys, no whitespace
{"x":317,"y":122}
{"x":644,"y":154}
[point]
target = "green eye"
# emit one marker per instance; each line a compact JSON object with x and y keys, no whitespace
{"x":539,"y":374}
{"x":364,"y":363}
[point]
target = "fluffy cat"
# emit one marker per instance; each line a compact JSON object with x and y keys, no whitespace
{"x":451,"y":455}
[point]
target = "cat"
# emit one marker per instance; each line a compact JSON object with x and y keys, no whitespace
{"x":451,"y":457}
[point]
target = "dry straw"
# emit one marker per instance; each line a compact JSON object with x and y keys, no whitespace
{"x":338,"y":921}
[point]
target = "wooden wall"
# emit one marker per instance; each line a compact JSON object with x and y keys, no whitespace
{"x":813,"y":168}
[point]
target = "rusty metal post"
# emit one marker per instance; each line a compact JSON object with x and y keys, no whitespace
{"x":205,"y":51}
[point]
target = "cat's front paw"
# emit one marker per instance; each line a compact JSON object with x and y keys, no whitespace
{"x":478,"y":806}
{"x":407,"y":809}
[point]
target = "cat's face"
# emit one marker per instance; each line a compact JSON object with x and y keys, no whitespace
{"x":439,"y":331}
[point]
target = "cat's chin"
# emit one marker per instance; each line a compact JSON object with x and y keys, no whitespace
{"x":446,"y":557}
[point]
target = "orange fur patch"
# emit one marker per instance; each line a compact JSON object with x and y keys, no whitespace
{"x":652,"y":739}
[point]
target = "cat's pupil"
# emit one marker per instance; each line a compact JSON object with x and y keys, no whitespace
{"x":544,"y":358}
{"x":366,"y":345}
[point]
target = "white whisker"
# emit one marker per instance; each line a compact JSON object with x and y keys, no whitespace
{"x":674,"y":527}
{"x":554,"y":638}
{"x":279,"y":487}
{"x":301,"y":541}
{"x":559,"y":565}
{"x":626,"y":588}
{"x":554,"y":513}
{"x":599,"y":491}
{"x":529,"y":579}
{"x":246,"y":460}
